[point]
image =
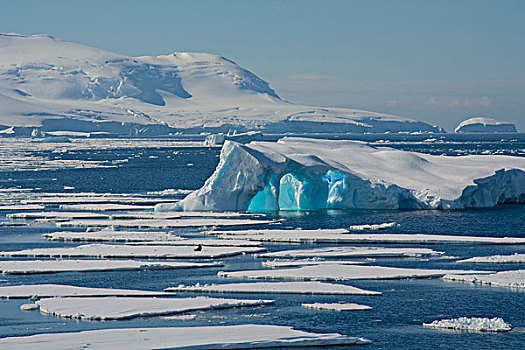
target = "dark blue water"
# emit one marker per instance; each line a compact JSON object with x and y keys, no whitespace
{"x":397,"y":315}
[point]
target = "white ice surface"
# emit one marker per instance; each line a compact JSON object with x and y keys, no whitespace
{"x":246,"y":336}
{"x":308,"y":174}
{"x":309,"y":287}
{"x":496,"y":259}
{"x":104,"y":207}
{"x":480,"y":324}
{"x":118,"y":308}
{"x":129,"y":251}
{"x":22,"y":207}
{"x":484,"y":124}
{"x":163,"y":224}
{"x":510,"y":279}
{"x":341,"y":273}
{"x":51,"y":266}
{"x":342,"y":236}
{"x":341,"y":306}
{"x":57,"y":215}
{"x":204,"y":242}
{"x":63,"y":290}
{"x":111,"y":235}
{"x":276,"y":263}
{"x":348,"y":252}
{"x":373,"y":227}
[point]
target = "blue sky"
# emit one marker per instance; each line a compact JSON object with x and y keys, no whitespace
{"x":439,"y":61}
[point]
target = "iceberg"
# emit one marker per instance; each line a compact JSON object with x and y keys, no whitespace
{"x":309,"y":174}
{"x":484,"y":124}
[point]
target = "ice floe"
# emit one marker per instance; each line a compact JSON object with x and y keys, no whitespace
{"x":118,"y":308}
{"x":22,"y":207}
{"x":510,"y":279}
{"x":480,"y":324}
{"x":52,"y":266}
{"x":338,"y":272}
{"x":163,"y":224}
{"x":309,"y":287}
{"x":276,"y":263}
{"x":112,"y":236}
{"x":129,"y":251}
{"x":308,"y":174}
{"x":246,"y":336}
{"x":343,"y":236}
{"x":496,"y":259}
{"x":373,"y":227}
{"x":57,"y":215}
{"x":104,"y":207}
{"x":63,"y":290}
{"x":341,"y":306}
{"x":345,"y":252}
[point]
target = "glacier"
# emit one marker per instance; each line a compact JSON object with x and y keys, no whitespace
{"x":52,"y":87}
{"x":308,"y":174}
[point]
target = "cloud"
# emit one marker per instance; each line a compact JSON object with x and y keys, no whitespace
{"x":310,"y":76}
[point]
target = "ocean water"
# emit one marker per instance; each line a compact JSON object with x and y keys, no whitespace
{"x":395,"y":322}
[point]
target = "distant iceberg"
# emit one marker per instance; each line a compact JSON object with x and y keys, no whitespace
{"x":484,"y":124}
{"x":309,"y":174}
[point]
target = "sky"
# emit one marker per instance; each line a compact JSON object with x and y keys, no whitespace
{"x":437,"y":61}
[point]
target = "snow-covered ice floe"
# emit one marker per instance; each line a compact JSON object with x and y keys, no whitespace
{"x":104,"y":207}
{"x":510,"y":279}
{"x":308,"y":174}
{"x":22,"y":207}
{"x":309,"y":287}
{"x":163,"y":223}
{"x":345,"y":252}
{"x":57,"y":215}
{"x":246,"y":336}
{"x":276,"y":263}
{"x":112,"y":236}
{"x":338,"y":272}
{"x":118,"y":308}
{"x":343,"y":236}
{"x":204,"y":242}
{"x":63,"y":290}
{"x":341,"y":306}
{"x":53,"y":266}
{"x":480,"y":324}
{"x":374,"y":227}
{"x":496,"y":259}
{"x":129,"y":251}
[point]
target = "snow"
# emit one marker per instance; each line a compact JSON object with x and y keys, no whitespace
{"x":162,"y":223}
{"x":52,"y":266}
{"x":22,"y":207}
{"x":340,"y":272}
{"x":128,"y":251}
{"x":510,"y":279}
{"x":208,"y":242}
{"x":307,"y":174}
{"x":484,"y":124}
{"x":342,"y":236}
{"x":373,"y":227}
{"x":480,"y":324}
{"x":344,"y":252}
{"x":119,"y":308}
{"x":57,"y":215}
{"x":246,"y":336}
{"x":341,"y":306}
{"x":496,"y":259}
{"x":309,"y":287}
{"x":63,"y":290}
{"x":53,"y":85}
{"x":104,"y":207}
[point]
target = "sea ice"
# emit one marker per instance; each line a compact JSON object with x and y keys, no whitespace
{"x":52,"y":266}
{"x":309,"y":287}
{"x":342,"y":236}
{"x":496,"y":259}
{"x":510,"y":279}
{"x":118,"y":308}
{"x":63,"y":290}
{"x":373,"y":227}
{"x":22,"y":207}
{"x":338,"y":272}
{"x":128,"y":251}
{"x":479,"y":324}
{"x":309,"y":174}
{"x":345,"y":252}
{"x":163,"y":224}
{"x":57,"y":215}
{"x":246,"y":336}
{"x":341,"y":306}
{"x":276,"y":263}
{"x":111,"y":235}
{"x":104,"y":207}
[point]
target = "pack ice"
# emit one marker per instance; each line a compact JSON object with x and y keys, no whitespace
{"x":308,"y":174}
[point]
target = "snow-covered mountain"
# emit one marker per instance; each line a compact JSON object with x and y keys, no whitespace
{"x":51,"y":84}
